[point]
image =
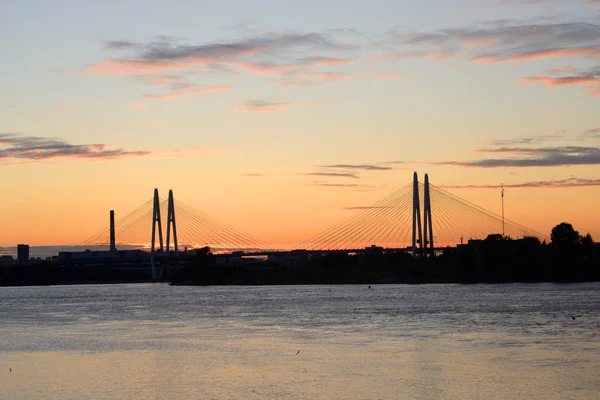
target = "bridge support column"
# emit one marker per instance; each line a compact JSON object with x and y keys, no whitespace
{"x":171,"y":220}
{"x":416,"y":219}
{"x":427,"y":225}
{"x":156,"y":220}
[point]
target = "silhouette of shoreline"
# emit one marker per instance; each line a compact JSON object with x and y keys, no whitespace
{"x":496,"y":259}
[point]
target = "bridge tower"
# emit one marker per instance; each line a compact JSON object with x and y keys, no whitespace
{"x":171,"y":221}
{"x":156,"y":221}
{"x":427,"y":225}
{"x":416,"y":219}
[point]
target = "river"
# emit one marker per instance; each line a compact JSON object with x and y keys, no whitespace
{"x":154,"y":341}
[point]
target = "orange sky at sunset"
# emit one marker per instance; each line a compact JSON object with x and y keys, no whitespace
{"x":277,"y":119}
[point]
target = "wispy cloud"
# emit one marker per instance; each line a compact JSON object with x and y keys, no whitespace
{"x":342,"y":185}
{"x":137,"y":106}
{"x":562,"y":70}
{"x":268,"y":106}
{"x":528,"y":151}
{"x":526,"y":140}
{"x":332,"y":174}
{"x":557,"y":183}
{"x":293,"y":54}
{"x":253,"y":175}
{"x":186,"y":92}
{"x":68,"y":108}
{"x":362,"y":167}
{"x":310,"y":79}
{"x":16,"y":146}
{"x":589,"y":78}
{"x":533,"y":140}
{"x":592,"y":133}
{"x":506,"y":41}
{"x":534,"y":157}
{"x":388,"y":76}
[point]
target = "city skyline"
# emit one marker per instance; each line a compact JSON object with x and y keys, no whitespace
{"x":279,"y":119}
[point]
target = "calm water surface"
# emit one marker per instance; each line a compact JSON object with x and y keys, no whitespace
{"x":387,"y":342}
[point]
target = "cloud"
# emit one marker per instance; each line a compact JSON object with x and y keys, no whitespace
{"x":534,"y":157}
{"x":528,"y":152}
{"x":333,"y":174}
{"x":590,"y":78}
{"x":186,"y":93}
{"x":252,"y":175}
{"x":594,"y":2}
{"x":64,"y":111}
{"x":170,"y":82}
{"x":166,"y":55}
{"x":503,"y":41}
{"x":325,"y":76}
{"x":119,"y":44}
{"x":561,"y":70}
{"x":388,"y":76}
{"x":341,"y":185}
{"x":396,"y":162}
{"x":364,"y":167}
{"x":267,"y":106}
{"x":156,"y":122}
{"x":525,"y":140}
{"x":15,"y":146}
{"x":592,"y":52}
{"x":310,"y":79}
{"x":558,"y":183}
{"x":298,"y":66}
{"x":137,"y":106}
{"x":592,"y":133}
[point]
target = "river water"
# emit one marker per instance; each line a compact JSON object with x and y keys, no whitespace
{"x":154,"y":341}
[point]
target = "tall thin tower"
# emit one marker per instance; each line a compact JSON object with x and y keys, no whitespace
{"x":171,"y":220}
{"x":416,"y":219}
{"x":427,"y":225}
{"x":113,"y":246}
{"x":156,"y":220}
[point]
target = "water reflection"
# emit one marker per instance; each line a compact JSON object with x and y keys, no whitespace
{"x":395,"y":342}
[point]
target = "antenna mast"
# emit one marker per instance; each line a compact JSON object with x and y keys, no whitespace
{"x":502,"y":186}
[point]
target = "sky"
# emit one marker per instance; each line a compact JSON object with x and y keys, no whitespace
{"x":279,"y":117}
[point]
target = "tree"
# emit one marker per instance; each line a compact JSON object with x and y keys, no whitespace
{"x":565,"y":235}
{"x":587,"y":243}
{"x":494,"y":237}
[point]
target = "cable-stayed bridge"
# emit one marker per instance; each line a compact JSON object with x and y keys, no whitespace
{"x":419,"y":216}
{"x":168,"y":225}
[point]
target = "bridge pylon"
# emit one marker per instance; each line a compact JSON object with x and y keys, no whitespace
{"x":171,"y":221}
{"x":427,"y":224}
{"x":156,"y":220}
{"x":416,"y":225}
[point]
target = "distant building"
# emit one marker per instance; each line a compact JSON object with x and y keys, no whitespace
{"x":6,"y":259}
{"x":23,"y":253}
{"x":88,"y":254}
{"x":291,"y":260}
